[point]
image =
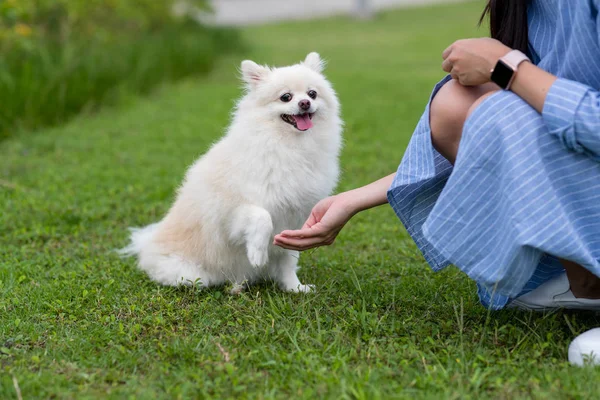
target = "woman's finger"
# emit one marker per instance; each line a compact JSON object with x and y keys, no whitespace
{"x":294,"y":248}
{"x":447,"y":52}
{"x":447,"y":65}
{"x":314,"y":231}
{"x":298,"y":244}
{"x":312,"y":219}
{"x":299,"y":233}
{"x":301,"y":243}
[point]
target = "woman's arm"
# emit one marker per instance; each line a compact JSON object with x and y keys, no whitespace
{"x":330,"y":215}
{"x":369,"y":196}
{"x":532,"y":84}
{"x":570,"y":110}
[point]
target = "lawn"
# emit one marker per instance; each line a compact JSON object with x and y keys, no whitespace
{"x":76,"y":321}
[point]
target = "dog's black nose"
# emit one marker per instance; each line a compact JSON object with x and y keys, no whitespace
{"x":304,"y":104}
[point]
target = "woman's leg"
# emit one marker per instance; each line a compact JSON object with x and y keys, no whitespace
{"x":583,"y":283}
{"x":449,"y":110}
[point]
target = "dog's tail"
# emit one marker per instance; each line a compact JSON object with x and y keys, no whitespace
{"x":161,"y":266}
{"x":140,"y":238}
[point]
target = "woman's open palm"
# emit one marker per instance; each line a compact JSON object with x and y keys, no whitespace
{"x":326,"y":220}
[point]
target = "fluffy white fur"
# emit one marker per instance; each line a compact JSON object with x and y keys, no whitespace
{"x":262,"y":177}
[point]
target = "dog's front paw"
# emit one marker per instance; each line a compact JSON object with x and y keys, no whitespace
{"x":258,"y":257}
{"x":302,"y":288}
{"x":238,"y":288}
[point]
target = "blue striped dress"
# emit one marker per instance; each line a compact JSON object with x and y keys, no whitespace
{"x":525,"y":188}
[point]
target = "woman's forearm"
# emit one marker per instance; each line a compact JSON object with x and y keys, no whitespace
{"x":532,"y":85}
{"x":371,"y":195}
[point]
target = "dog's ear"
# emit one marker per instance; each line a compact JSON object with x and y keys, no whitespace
{"x":314,"y":62}
{"x":253,"y":74}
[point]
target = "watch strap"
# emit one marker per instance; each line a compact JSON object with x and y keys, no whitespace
{"x":514,"y":58}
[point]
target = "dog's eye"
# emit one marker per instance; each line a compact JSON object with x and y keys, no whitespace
{"x":312,"y":94}
{"x":286,"y":98}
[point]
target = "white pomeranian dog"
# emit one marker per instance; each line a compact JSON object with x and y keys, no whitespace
{"x":278,"y":158}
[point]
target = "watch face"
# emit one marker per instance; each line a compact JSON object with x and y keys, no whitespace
{"x":502,"y":74}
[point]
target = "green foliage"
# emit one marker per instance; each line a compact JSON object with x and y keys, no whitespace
{"x":59,"y":57}
{"x":63,"y":20}
{"x":78,"y":322}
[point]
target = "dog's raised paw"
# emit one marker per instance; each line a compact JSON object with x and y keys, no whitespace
{"x":258,"y":257}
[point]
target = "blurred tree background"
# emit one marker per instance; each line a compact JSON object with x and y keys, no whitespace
{"x":61,"y":57}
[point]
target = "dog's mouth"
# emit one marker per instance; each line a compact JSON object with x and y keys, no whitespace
{"x":302,"y":122}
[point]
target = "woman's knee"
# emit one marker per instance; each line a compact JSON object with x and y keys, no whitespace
{"x":452,"y":104}
{"x":446,"y":109}
{"x":448,"y":112}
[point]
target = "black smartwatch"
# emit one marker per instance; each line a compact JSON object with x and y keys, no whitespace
{"x":505,"y":70}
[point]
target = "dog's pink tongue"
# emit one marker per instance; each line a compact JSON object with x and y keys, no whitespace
{"x":303,"y":122}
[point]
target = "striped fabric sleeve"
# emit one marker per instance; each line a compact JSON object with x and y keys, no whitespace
{"x":572,"y":113}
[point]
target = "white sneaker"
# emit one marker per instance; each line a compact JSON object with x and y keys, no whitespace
{"x":553,"y":295}
{"x":585,"y":348}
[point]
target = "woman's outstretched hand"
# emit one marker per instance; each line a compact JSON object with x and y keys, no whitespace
{"x":330,"y":215}
{"x":326,"y":220}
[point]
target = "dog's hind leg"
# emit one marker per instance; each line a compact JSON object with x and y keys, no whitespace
{"x":253,"y":227}
{"x":175,"y":271}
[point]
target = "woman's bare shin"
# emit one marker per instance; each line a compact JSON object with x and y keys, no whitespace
{"x":583,"y":283}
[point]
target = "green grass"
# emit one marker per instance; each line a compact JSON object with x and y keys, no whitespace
{"x":78,"y":322}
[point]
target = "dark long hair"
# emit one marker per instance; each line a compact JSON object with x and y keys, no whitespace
{"x":508,"y":22}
